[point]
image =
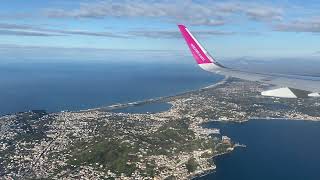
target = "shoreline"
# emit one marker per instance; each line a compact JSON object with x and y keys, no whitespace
{"x":189,"y":111}
{"x":206,"y":172}
{"x":117,"y":106}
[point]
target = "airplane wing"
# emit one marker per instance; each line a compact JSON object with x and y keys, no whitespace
{"x":292,"y":86}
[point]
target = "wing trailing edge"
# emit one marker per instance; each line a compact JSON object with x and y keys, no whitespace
{"x":293,"y":86}
{"x":286,"y":92}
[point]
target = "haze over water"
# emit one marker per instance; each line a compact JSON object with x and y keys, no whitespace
{"x":81,"y":85}
{"x":81,"y":80}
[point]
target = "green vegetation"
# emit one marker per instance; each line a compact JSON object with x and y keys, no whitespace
{"x":110,"y":154}
{"x":150,"y":169}
{"x":192,"y":165}
{"x":174,"y":136}
{"x":222,"y":148}
{"x":34,"y":127}
{"x":171,"y":178}
{"x":206,"y":155}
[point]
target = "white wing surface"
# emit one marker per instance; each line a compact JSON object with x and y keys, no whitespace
{"x":292,"y":86}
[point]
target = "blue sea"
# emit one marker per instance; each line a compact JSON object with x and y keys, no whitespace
{"x":276,"y":149}
{"x":69,"y":85}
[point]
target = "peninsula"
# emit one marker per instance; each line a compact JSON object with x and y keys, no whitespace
{"x":101,"y":144}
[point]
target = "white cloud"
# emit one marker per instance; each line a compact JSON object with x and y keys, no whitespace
{"x":176,"y":33}
{"x":300,"y":25}
{"x":30,"y":30}
{"x":264,"y":13}
{"x":212,"y":13}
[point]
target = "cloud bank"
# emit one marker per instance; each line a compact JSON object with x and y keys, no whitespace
{"x":212,"y":13}
{"x":300,"y":25}
{"x":30,"y":30}
{"x":176,"y":33}
{"x":190,"y":12}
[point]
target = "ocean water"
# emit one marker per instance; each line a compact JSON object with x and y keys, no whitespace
{"x":276,"y":149}
{"x":58,"y":86}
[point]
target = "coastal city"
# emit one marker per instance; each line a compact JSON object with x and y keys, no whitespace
{"x":173,"y":144}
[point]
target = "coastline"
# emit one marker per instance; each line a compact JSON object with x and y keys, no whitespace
{"x":276,"y":143}
{"x":165,"y":99}
{"x":223,"y":102}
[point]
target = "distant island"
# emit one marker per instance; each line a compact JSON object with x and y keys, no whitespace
{"x":100,"y":144}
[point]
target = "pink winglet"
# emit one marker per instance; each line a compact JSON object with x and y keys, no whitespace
{"x":198,"y":52}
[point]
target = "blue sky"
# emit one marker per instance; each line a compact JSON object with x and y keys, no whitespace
{"x":232,"y":28}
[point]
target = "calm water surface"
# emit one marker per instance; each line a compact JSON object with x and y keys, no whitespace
{"x":276,"y":149}
{"x":74,"y":86}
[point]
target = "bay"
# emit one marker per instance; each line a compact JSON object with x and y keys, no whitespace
{"x":276,"y":149}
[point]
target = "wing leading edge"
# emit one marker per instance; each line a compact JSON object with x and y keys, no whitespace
{"x":292,"y":86}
